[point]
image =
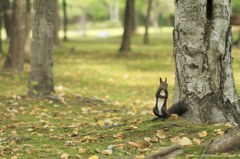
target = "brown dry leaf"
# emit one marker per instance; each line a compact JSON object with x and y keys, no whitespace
{"x":64,"y":156}
{"x":202,"y":134}
{"x":175,"y":139}
{"x":120,"y":147}
{"x":41,"y":156}
{"x":119,"y":136}
{"x":62,"y":138}
{"x":197,"y":141}
{"x":106,"y":152}
{"x":135,"y":144}
{"x":14,"y":157}
{"x":7,"y":149}
{"x":148,"y":139}
{"x":185,"y":141}
{"x":174,"y":116}
{"x":143,"y":150}
{"x":101,"y":136}
{"x":154,"y":139}
{"x":160,"y":134}
{"x":146,"y":144}
{"x":165,"y":129}
{"x":94,"y":157}
{"x":83,"y":150}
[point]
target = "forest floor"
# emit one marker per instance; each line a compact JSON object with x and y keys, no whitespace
{"x":103,"y":97}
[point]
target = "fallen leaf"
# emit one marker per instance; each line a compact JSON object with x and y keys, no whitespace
{"x":154,"y":139}
{"x":135,"y":144}
{"x":78,"y":156}
{"x":148,"y":139}
{"x":94,"y":157}
{"x":119,"y":135}
{"x":64,"y":156}
{"x":101,"y":123}
{"x":197,"y":141}
{"x":185,"y":141}
{"x":189,"y":155}
{"x":220,"y":133}
{"x":174,"y":116}
{"x":160,"y":134}
{"x":83,"y":150}
{"x":106,"y":152}
{"x":175,"y":139}
{"x":12,"y":143}
{"x":146,"y":144}
{"x":202,"y":134}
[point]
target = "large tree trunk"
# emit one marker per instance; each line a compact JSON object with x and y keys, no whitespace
{"x":56,"y":24}
{"x":202,"y":52}
{"x":14,"y":61}
{"x":41,"y":76}
{"x":65,"y":20}
{"x":146,"y":40}
{"x":7,"y":16}
{"x":83,"y":22}
{"x":27,"y":52}
{"x":128,"y":23}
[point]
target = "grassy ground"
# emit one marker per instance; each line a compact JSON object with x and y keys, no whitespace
{"x":117,"y":88}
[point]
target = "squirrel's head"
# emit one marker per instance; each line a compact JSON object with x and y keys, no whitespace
{"x":163,"y":85}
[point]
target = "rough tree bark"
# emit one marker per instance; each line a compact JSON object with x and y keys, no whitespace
{"x":27,"y":50}
{"x":202,"y":52}
{"x":146,"y":40}
{"x":7,"y":16}
{"x":56,"y":24}
{"x":14,"y":61}
{"x":65,"y":20}
{"x":41,"y":76}
{"x":128,"y":20}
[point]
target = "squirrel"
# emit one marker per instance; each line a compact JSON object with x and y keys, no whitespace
{"x":160,"y":109}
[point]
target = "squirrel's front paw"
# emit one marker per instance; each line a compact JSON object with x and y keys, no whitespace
{"x":155,"y":119}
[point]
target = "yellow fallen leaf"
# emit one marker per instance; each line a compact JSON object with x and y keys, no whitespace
{"x":108,"y":115}
{"x":202,"y":134}
{"x":83,"y":150}
{"x":101,"y":123}
{"x":12,"y":143}
{"x":197,"y":141}
{"x":174,"y":116}
{"x":94,"y":157}
{"x":220,"y":133}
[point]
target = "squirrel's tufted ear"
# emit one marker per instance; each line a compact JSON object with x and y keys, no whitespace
{"x":160,"y":80}
{"x":165,"y":79}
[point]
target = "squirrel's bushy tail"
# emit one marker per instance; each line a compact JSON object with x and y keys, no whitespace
{"x":178,"y":108}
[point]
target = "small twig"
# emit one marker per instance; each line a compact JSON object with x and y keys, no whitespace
{"x":164,"y":151}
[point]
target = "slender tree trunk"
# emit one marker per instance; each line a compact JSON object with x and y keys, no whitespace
{"x":14,"y":61}
{"x":238,"y":41}
{"x":202,"y":52}
{"x":7,"y":16}
{"x":83,"y":22}
{"x":27,"y":52}
{"x":1,"y":2}
{"x":111,"y":12}
{"x":41,"y":76}
{"x":154,"y":20}
{"x":146,"y":40}
{"x":65,"y":20}
{"x":56,"y":24}
{"x":128,"y":21}
{"x":116,"y":11}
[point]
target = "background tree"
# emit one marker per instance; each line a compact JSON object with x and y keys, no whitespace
{"x":27,"y":51}
{"x":7,"y":16}
{"x":14,"y":61}
{"x":145,"y":40}
{"x":56,"y":24}
{"x":41,"y":76}
{"x":65,"y":20}
{"x":128,"y":19}
{"x":202,"y":52}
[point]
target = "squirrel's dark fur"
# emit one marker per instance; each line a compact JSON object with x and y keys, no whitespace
{"x":161,"y":103}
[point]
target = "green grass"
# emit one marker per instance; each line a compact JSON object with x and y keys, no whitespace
{"x":93,"y":67}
